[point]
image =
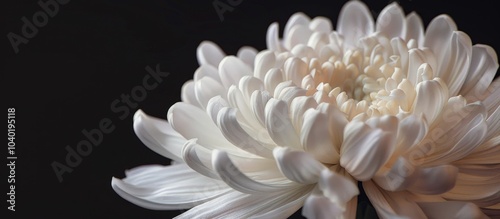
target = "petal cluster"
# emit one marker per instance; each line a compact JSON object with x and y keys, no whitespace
{"x":412,"y":113}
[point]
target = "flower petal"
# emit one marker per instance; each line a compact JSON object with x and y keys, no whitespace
{"x":258,"y":103}
{"x":320,"y":207}
{"x":206,"y":71}
{"x":158,"y":135}
{"x":237,"y":100}
{"x":238,"y":205}
{"x":247,"y":55}
{"x":435,"y":180}
{"x":487,"y":153}
{"x":317,"y":138}
{"x":321,"y":24}
{"x":412,"y":130}
{"x":182,"y":116}
{"x":264,"y":61}
{"x":392,"y":204}
{"x":451,"y":209}
{"x":233,"y":177}
{"x":188,"y":95}
{"x":391,"y":21}
{"x":414,"y":28}
{"x":298,"y":107}
{"x":167,"y":188}
{"x":456,"y":134}
{"x":477,"y":184}
{"x":459,"y":54}
{"x":431,"y":98}
{"x":438,"y":36}
{"x":365,"y":149}
{"x":272,"y":38}
{"x":297,"y":35}
{"x":279,"y":125}
{"x":295,"y":69}
{"x":400,"y":176}
{"x":208,"y":53}
{"x":337,"y":188}
{"x":232,"y":130}
{"x":296,"y":19}
{"x":232,"y":69}
{"x":490,"y":101}
{"x":482,"y":69}
{"x":355,"y":21}
{"x":198,"y":158}
{"x":206,"y":88}
{"x":298,"y":166}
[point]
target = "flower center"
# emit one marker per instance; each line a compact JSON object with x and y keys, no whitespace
{"x":368,"y":79}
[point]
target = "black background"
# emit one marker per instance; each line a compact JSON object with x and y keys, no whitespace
{"x":65,"y":78}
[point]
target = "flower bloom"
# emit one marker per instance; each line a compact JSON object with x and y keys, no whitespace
{"x":412,"y":114}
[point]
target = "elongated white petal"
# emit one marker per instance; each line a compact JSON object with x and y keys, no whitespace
{"x":330,"y":182}
{"x":460,"y":130}
{"x":248,"y":85}
{"x":279,"y":125}
{"x":449,"y":209}
{"x":232,"y":69}
{"x":297,"y":19}
{"x":493,"y":123}
{"x":232,"y":130}
{"x":240,"y":205}
{"x":414,"y":28}
{"x":264,"y":61}
{"x":487,"y":153}
{"x":320,"y":207}
{"x":188,"y":95}
{"x":206,"y":71}
{"x":298,"y":107}
{"x":295,"y":69}
{"x":258,"y":102}
{"x":272,"y":39}
{"x":206,"y":88}
{"x":431,"y":97}
{"x":237,"y":100}
{"x":399,"y":177}
{"x":298,"y":166}
{"x":247,"y":55}
{"x":297,"y":35}
{"x":182,"y":116}
{"x":482,"y":69}
{"x":438,"y":37}
{"x":156,"y":187}
{"x":354,"y":22}
{"x":198,"y":158}
{"x":321,"y":24}
{"x":391,"y":21}
{"x":412,"y":130}
{"x":392,"y":205}
{"x":459,"y":53}
{"x":435,"y":180}
{"x":365,"y":150}
{"x":208,"y":53}
{"x":233,"y":177}
{"x":158,"y":135}
{"x":490,"y":101}
{"x":316,"y":137}
{"x":272,"y":79}
{"x":480,"y":189}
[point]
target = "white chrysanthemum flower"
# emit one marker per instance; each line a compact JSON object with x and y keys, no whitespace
{"x":414,"y":115}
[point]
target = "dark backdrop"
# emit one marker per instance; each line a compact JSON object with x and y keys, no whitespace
{"x":64,"y":79}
